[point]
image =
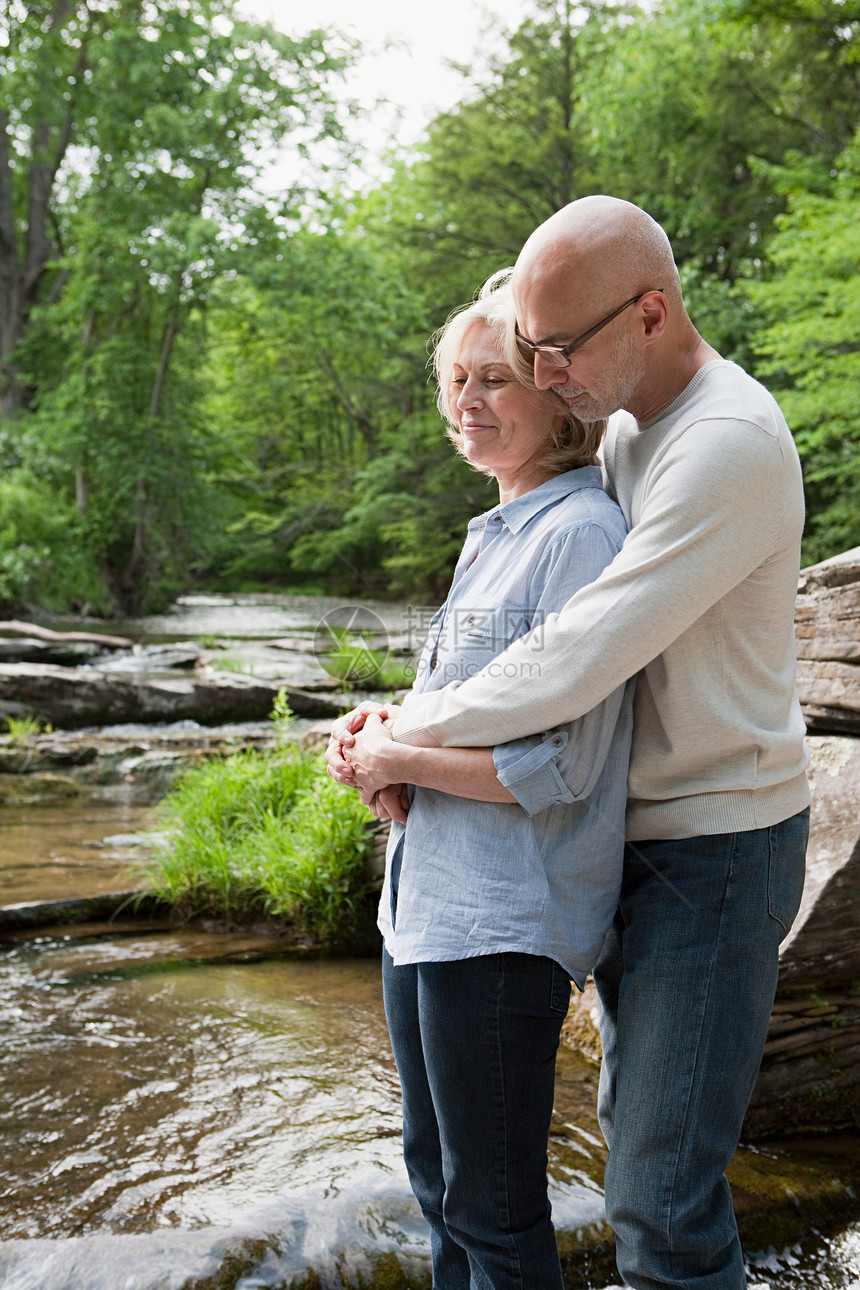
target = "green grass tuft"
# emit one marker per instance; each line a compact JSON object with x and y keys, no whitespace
{"x":263,"y":834}
{"x":22,"y":729}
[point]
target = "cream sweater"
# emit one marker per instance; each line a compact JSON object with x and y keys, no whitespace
{"x":699,"y":601}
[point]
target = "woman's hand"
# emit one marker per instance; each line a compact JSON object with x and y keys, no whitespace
{"x":341,"y":737}
{"x":372,"y":756}
{"x":390,"y":802}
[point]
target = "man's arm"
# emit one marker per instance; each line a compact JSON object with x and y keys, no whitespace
{"x":710,"y":518}
{"x":561,"y":766}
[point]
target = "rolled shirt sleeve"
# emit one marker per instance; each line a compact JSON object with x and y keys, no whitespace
{"x":529,"y":769}
{"x":563,"y":764}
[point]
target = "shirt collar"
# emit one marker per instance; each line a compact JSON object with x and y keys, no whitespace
{"x":516,"y":514}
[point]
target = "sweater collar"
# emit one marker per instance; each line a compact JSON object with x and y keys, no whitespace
{"x":687,"y":393}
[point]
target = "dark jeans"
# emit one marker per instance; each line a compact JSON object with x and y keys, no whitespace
{"x":686,"y":982}
{"x":475,"y":1044}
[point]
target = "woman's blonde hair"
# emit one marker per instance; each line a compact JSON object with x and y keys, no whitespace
{"x":572,"y":442}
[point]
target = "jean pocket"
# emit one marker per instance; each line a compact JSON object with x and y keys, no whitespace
{"x":559,"y":999}
{"x":787,"y":868}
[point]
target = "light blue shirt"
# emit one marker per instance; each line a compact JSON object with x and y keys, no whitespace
{"x":542,"y":875}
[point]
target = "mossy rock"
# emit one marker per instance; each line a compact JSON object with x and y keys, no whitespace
{"x":21,"y":789}
{"x":768,"y":1197}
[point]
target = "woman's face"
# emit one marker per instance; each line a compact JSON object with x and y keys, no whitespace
{"x":504,"y":425}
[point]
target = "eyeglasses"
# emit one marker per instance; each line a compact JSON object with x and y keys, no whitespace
{"x":559,"y":355}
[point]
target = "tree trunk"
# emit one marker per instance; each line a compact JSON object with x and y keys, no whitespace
{"x":21,"y":281}
{"x":135,"y":570}
{"x":10,"y":309}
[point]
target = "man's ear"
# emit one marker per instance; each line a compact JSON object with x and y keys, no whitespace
{"x":655,"y":314}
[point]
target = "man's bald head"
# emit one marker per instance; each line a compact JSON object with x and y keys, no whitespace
{"x":605,"y":248}
{"x":598,"y":303}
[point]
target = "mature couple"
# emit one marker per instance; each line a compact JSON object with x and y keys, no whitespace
{"x":507,"y":778}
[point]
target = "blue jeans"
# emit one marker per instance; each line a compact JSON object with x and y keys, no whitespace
{"x":475,"y":1044}
{"x":686,"y":982}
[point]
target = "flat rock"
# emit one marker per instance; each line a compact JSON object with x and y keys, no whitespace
{"x":24,"y":650}
{"x":823,"y":946}
{"x":97,"y":910}
{"x":827,"y":629}
{"x":810,"y":1075}
{"x":16,"y":790}
{"x":72,"y":699}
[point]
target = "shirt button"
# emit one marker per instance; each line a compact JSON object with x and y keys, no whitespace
{"x":557,"y":741}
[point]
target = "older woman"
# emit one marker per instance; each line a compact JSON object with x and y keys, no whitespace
{"x":502,"y":881}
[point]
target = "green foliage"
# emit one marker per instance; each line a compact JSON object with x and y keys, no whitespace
{"x":207,"y":386}
{"x":105,"y":307}
{"x":355,"y":664}
{"x":231,"y":663}
{"x":313,"y":375}
{"x":810,"y":354}
{"x":697,"y":95}
{"x":311,"y":863}
{"x":410,"y":505}
{"x":45,"y":559}
{"x":282,"y":715}
{"x":491,"y":169}
{"x":263,"y":833}
{"x":722,"y":311}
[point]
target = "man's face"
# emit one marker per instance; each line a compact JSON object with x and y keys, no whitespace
{"x":604,"y":371}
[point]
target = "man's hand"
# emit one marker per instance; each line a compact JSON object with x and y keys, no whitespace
{"x":391,"y":803}
{"x":342,"y":733}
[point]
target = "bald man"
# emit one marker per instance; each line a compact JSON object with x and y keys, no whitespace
{"x":699,"y":602}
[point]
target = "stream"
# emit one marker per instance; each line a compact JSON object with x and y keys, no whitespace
{"x":185,"y":1110}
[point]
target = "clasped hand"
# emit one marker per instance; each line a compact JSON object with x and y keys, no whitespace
{"x":359,"y":755}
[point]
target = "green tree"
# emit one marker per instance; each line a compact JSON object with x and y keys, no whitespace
{"x":202,"y":383}
{"x":695,"y":94}
{"x":498,"y":164}
{"x":104,"y":271}
{"x":338,"y":460}
{"x":810,"y":353}
{"x":685,"y":108}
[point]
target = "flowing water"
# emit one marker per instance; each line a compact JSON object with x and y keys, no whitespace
{"x":183,"y":1083}
{"x":57,"y":850}
{"x":303,"y":621}
{"x":182,"y":1109}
